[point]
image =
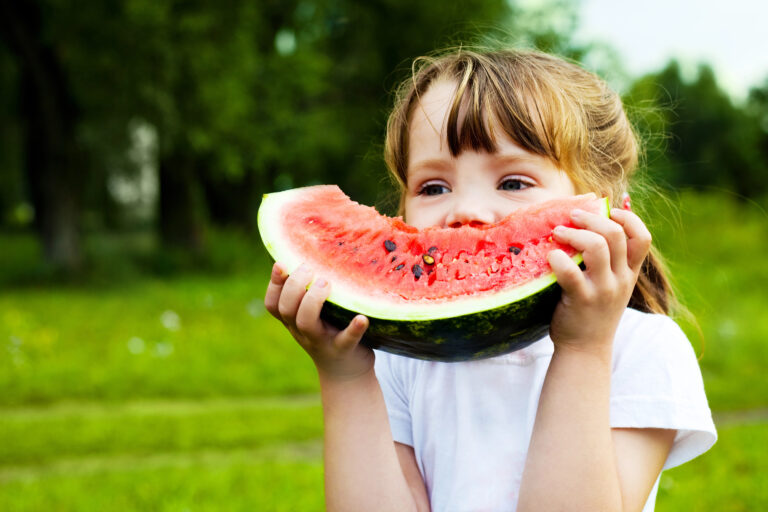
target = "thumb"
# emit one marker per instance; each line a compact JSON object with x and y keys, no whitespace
{"x":351,"y":336}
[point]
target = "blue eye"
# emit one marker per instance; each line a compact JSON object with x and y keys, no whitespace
{"x":513,"y":184}
{"x":433,"y":189}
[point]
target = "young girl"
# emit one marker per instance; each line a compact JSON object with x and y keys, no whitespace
{"x":584,"y":419}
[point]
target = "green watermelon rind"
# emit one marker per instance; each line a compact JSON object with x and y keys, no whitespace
{"x":474,"y":327}
{"x":472,"y":336}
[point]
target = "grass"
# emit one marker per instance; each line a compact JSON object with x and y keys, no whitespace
{"x":195,"y":336}
{"x":131,"y":391}
{"x":716,"y":247}
{"x":150,"y":427}
{"x":233,"y":483}
{"x":726,"y":479}
{"x":729,"y":478}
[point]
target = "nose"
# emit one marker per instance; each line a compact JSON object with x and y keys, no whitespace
{"x":472,"y":212}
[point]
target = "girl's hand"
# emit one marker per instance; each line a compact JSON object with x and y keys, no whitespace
{"x":337,"y":354}
{"x":593,"y":300}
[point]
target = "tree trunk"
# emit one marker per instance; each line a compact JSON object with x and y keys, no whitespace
{"x":54,"y":175}
{"x":181,"y":212}
{"x":231,"y":201}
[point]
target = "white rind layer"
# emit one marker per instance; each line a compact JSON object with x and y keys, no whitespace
{"x":380,"y":306}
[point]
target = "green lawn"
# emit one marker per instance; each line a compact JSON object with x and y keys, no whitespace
{"x":135,"y":392}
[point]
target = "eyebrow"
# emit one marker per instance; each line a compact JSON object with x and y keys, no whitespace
{"x":512,"y":159}
{"x":431,"y":163}
{"x":444,"y":164}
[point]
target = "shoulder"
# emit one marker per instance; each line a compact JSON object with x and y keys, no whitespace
{"x":387,"y":363}
{"x":649,"y":336}
{"x":397,"y":375}
{"x":657,"y":383}
{"x":634,"y":321}
{"x":651,"y":351}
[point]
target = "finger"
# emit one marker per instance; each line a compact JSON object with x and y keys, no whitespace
{"x":308,"y":316}
{"x":294,"y":290}
{"x":592,"y":246}
{"x":613,"y":233}
{"x":274,"y":288}
{"x":567,"y":272}
{"x":639,"y":238}
{"x":351,"y":336}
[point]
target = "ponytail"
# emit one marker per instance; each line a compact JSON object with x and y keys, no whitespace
{"x":653,"y":292}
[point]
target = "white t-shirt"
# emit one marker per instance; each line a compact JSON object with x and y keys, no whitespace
{"x":470,"y":423}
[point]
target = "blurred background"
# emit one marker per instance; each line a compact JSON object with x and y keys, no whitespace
{"x":138,"y":368}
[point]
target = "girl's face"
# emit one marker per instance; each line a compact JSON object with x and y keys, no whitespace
{"x":474,"y":187}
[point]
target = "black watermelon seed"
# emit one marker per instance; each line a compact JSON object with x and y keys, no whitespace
{"x":341,"y":243}
{"x":417,"y":271}
{"x":429,"y":260}
{"x":389,"y":245}
{"x":514,"y":249}
{"x":431,"y":249}
{"x":400,"y":266}
{"x":374,"y":261}
{"x":393,"y":259}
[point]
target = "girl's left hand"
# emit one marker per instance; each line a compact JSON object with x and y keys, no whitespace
{"x":594,"y":300}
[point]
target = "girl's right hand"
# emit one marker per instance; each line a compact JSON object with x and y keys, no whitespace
{"x":337,"y":354}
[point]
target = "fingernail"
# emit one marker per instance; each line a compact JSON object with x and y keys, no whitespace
{"x":626,"y":202}
{"x":321,"y":283}
{"x":577,"y":213}
{"x":559,"y":229}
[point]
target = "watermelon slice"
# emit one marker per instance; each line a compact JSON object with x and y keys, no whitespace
{"x":445,"y":294}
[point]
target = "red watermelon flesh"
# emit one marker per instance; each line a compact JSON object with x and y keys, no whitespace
{"x":355,"y":247}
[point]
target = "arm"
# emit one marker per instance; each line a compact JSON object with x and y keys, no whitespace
{"x":362,"y":468}
{"x":413,"y":476}
{"x":575,"y":461}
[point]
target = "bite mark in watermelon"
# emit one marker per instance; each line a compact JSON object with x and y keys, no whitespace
{"x":446,"y":294}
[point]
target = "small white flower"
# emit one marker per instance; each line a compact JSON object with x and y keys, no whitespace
{"x":727,"y":329}
{"x":164,"y":349}
{"x":136,"y":345}
{"x":255,"y":308}
{"x":170,"y":320}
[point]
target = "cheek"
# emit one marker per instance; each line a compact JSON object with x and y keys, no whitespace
{"x":420,"y":215}
{"x":566,"y":185}
{"x":410,"y":212}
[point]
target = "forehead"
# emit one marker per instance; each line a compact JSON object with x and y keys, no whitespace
{"x":429,"y":119}
{"x":428,"y":127}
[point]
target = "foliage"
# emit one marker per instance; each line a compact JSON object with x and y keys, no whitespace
{"x":696,"y":136}
{"x":239,"y":98}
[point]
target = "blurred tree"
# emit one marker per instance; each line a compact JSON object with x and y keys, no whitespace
{"x":53,"y":158}
{"x":757,"y":108}
{"x":11,"y":189}
{"x":244,"y":97}
{"x":707,"y":140}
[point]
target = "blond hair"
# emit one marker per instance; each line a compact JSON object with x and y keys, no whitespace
{"x":544,"y":104}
